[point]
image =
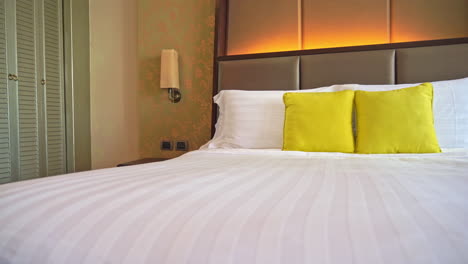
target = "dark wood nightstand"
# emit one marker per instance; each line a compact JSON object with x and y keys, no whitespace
{"x":141,"y":161}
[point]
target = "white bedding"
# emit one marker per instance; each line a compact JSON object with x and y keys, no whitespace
{"x":245,"y":206}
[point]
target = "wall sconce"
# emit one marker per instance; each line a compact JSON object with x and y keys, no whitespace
{"x":170,"y":74}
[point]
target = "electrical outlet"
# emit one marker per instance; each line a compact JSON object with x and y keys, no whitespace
{"x":166,"y":145}
{"x":181,"y":145}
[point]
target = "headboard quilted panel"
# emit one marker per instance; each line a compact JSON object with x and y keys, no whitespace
{"x":384,"y":66}
{"x":410,"y":62}
{"x":259,"y":74}
{"x":364,"y":67}
{"x":426,"y":64}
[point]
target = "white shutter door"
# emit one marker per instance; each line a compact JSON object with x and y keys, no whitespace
{"x":5,"y":153}
{"x":56,"y":152}
{"x":27,"y":90}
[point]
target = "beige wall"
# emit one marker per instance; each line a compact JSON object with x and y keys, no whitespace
{"x":187,"y":26}
{"x":114,"y":82}
{"x":130,"y":115}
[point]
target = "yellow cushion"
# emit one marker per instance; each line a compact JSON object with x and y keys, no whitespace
{"x":319,"y":122}
{"x":398,"y":121}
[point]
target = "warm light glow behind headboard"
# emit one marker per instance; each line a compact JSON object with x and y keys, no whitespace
{"x":267,"y":45}
{"x":271,"y":45}
{"x":275,"y":26}
{"x":324,"y":39}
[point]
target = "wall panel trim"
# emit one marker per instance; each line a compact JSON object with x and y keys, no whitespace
{"x":389,"y":20}
{"x":300,"y":25}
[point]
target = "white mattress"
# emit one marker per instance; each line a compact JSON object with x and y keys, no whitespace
{"x":245,"y":206}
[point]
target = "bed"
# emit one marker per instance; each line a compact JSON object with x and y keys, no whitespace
{"x":244,"y":205}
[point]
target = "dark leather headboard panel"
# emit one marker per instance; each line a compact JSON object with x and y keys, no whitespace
{"x":381,"y":66}
{"x":410,"y":62}
{"x":280,"y":73}
{"x":364,"y":67}
{"x":435,"y":63}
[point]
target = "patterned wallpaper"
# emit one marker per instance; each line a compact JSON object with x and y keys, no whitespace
{"x":188,"y":27}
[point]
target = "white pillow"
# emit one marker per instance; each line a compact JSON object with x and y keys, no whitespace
{"x":450,"y":109}
{"x":253,"y":119}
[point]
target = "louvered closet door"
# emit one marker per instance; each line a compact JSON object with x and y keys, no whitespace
{"x":32,"y":119}
{"x":28,"y":100}
{"x":54,"y":92}
{"x":5,"y":151}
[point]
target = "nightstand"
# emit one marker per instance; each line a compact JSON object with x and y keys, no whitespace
{"x":141,"y":161}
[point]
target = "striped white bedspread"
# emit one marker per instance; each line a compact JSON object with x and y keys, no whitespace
{"x":245,"y":207}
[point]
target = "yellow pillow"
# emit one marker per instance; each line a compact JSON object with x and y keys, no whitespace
{"x":398,"y":121}
{"x":319,"y":122}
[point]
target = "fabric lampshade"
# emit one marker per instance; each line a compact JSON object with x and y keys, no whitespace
{"x":169,"y":69}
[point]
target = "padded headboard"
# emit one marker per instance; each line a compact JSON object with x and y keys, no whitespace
{"x":280,"y":73}
{"x":382,"y":66}
{"x":395,"y":63}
